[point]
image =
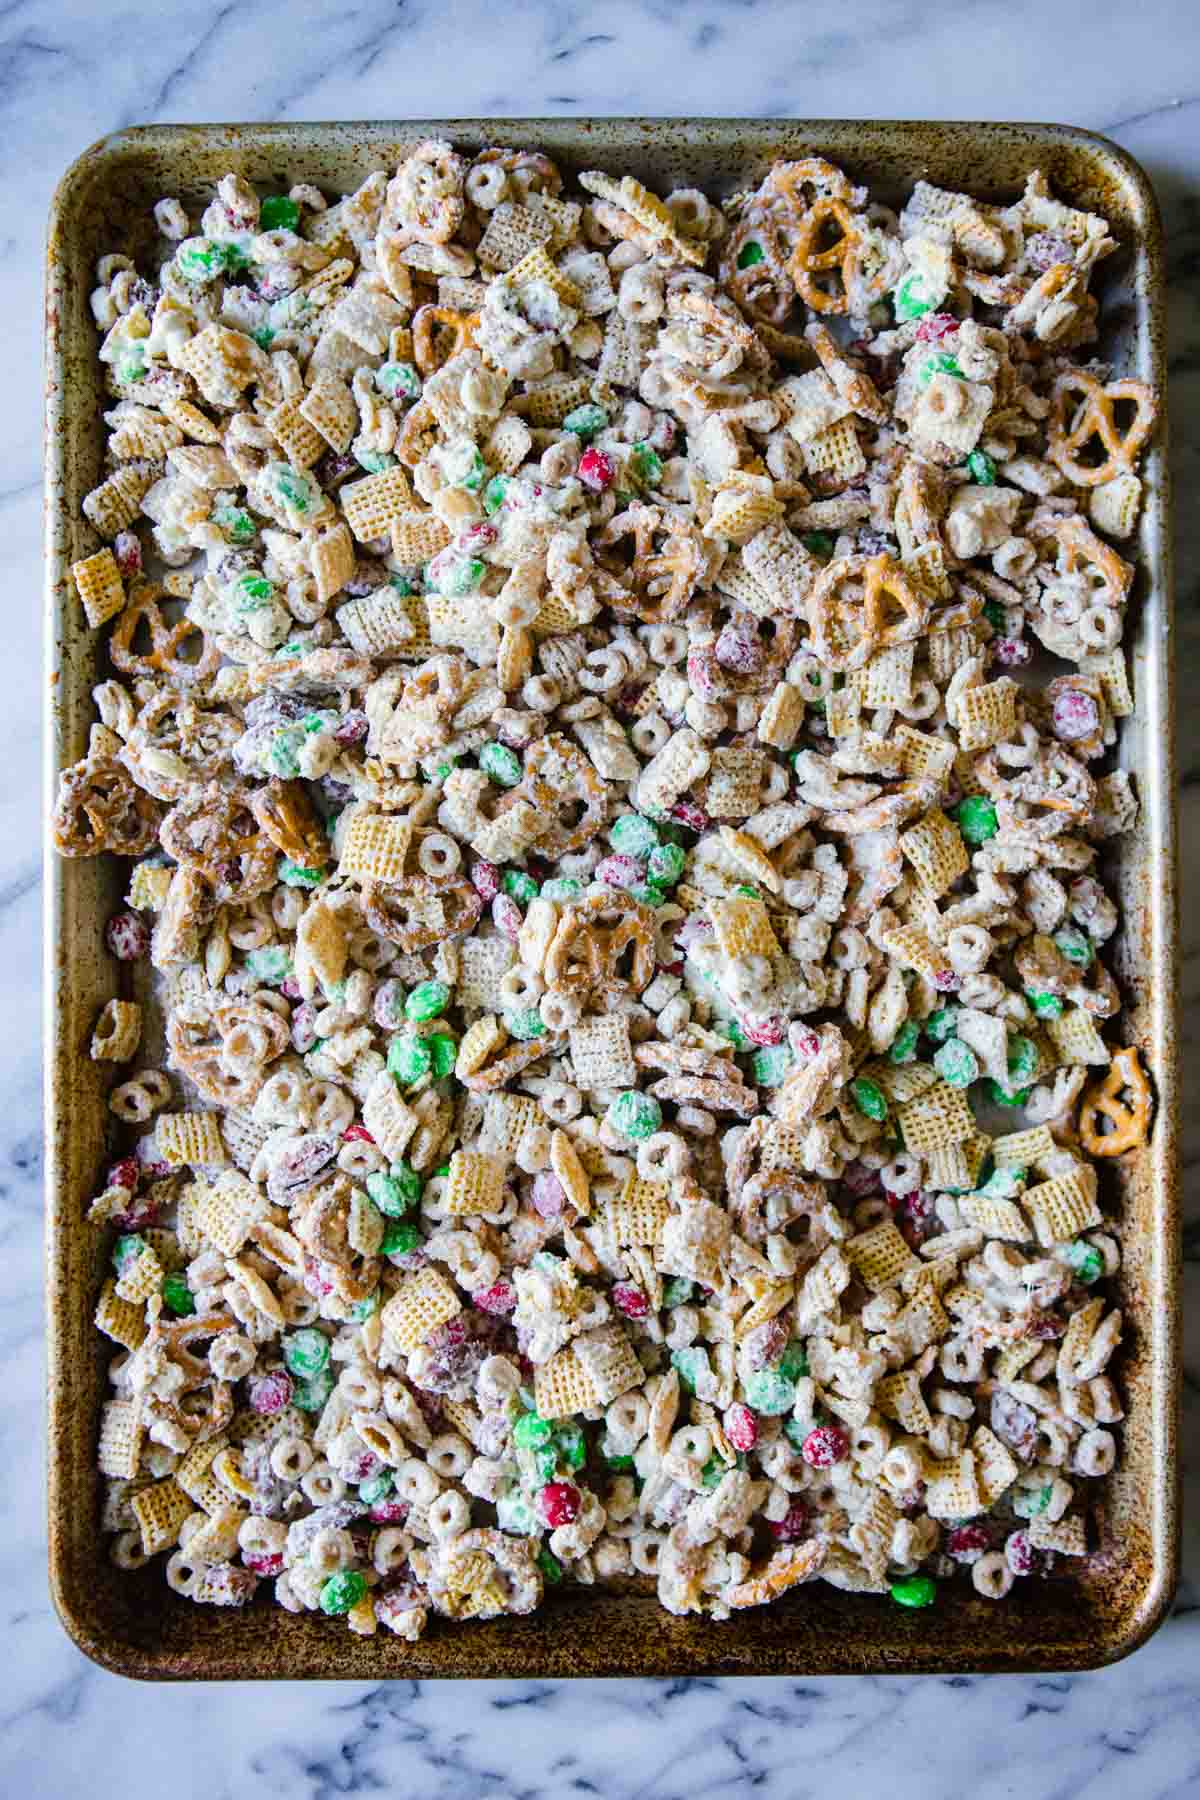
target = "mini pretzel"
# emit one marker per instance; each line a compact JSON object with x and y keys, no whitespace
{"x":593,"y":936}
{"x":1089,"y":406}
{"x":708,"y":1091}
{"x":440,"y":333}
{"x":214,"y":831}
{"x":558,"y":779}
{"x":792,"y":180}
{"x":173,"y":723}
{"x":506,"y":1062}
{"x":1082,"y":552}
{"x":879,"y":627}
{"x":1129,"y":1121}
{"x":665,"y":576}
{"x":402,"y":913}
{"x":417,"y":435}
{"x":286,"y":815}
{"x":764,"y":289}
{"x":165,"y":657}
{"x":542,"y":175}
{"x":808,"y":261}
{"x":99,"y":807}
{"x":196,"y":1045}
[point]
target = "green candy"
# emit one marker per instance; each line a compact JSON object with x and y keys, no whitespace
{"x":463,"y":576}
{"x":1003,"y":1184}
{"x":713,"y":1472}
{"x":993,"y":612}
{"x":562,"y":887}
{"x":494,"y":494}
{"x":942,"y":1024}
{"x":648,"y":893}
{"x":464,"y":467}
{"x":571,"y":1445}
{"x":525,"y":1025}
{"x":1000,"y":1096}
{"x":769,"y":1391}
{"x":909,"y":301}
{"x":132,"y":367}
{"x":747,"y":890}
{"x":956,"y":1063}
{"x":409,"y":1058}
{"x":750,"y":254}
{"x":666,"y":864}
{"x":545,"y":1463}
{"x":237,"y":524}
{"x":586,"y":420}
{"x":398,"y":380}
{"x":1045,"y":1006}
{"x":343,"y":1591}
{"x":361,"y":1310}
{"x":444,"y":1053}
{"x":795,"y":1433}
{"x":178,"y":1296}
{"x":271,"y":964}
{"x":293,"y":875}
{"x":376,"y":1487}
{"x":519,"y":886}
{"x":793,"y":1363}
{"x":645,"y":465}
{"x":678,"y":1291}
{"x":981,"y":468}
{"x":689,"y":1365}
{"x":868,"y":1098}
{"x":514,"y":1514}
{"x":818,"y":543}
{"x":251,"y":590}
{"x":306,"y":1352}
{"x":771,"y":1063}
{"x":500,"y":764}
{"x":126,"y":1250}
{"x":401,"y":584}
{"x":633,"y":835}
{"x":1083,"y":1257}
{"x":915,"y":1591}
{"x":411,"y":1183}
{"x":1075,"y":945}
{"x":548,"y":1563}
{"x":940,"y":363}
{"x":427,"y":1000}
{"x":1023,"y":1058}
{"x":635,"y":1115}
{"x":388,"y":1195}
{"x":620,"y":1465}
{"x":531,"y":1431}
{"x":729,"y":1028}
{"x":375,"y":461}
{"x":278,"y":213}
{"x":903,"y":1047}
{"x":311,"y":1395}
{"x":399,"y":1239}
{"x":198,"y":259}
{"x":976,"y":819}
{"x":290,"y":485}
{"x":264,"y":336}
{"x":1027,"y":1503}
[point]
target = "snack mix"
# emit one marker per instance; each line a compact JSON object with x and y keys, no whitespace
{"x":621,"y":886}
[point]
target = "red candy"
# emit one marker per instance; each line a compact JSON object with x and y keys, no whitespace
{"x":485,"y":879}
{"x":764,"y":1032}
{"x":966,"y":1542}
{"x":619,"y":871}
{"x":389,"y":1512}
{"x":739,"y":651}
{"x":804,"y":1042}
{"x":630,"y":1300}
{"x":265,"y":1564}
{"x":501,"y":1298}
{"x":548,"y":1195}
{"x":596,"y":470}
{"x":824,"y":1447}
{"x":124,"y":1174}
{"x":741,"y":1426}
{"x":127,"y":936}
{"x":689,"y":815}
{"x":1075,"y":716}
{"x":269,"y":1394}
{"x":936,"y":326}
{"x":1013,"y":653}
{"x":506,"y":917}
{"x":859,"y":1179}
{"x":793,"y":1525}
{"x":559,"y":1503}
{"x":1019,"y":1554}
{"x":127,"y":550}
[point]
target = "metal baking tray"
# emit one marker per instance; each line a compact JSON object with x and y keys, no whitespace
{"x":133,"y":1623}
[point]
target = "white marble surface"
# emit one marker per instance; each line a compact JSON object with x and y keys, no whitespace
{"x":71,"y":70}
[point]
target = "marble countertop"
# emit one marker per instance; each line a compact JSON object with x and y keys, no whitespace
{"x":70,"y":71}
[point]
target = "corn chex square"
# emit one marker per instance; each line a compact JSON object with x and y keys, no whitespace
{"x":1064,"y":1206}
{"x":734,"y":783}
{"x":639,"y":1212}
{"x":160,"y":1511}
{"x":329,"y":408}
{"x":899,"y":1397}
{"x":194,"y":1475}
{"x":742,"y":927}
{"x":99,"y":586}
{"x":995,"y":1218}
{"x":601,"y":1053}
{"x":424,"y":1301}
{"x":1067,"y":1536}
{"x":390,"y":1122}
{"x":880,"y":1256}
{"x":987,"y":714}
{"x":609,"y":1362}
{"x":935,"y":848}
{"x":1023,"y":1149}
{"x":375,"y":847}
{"x":506,"y":1119}
{"x":935,"y":1118}
{"x":379,"y":624}
{"x":371,"y":504}
{"x":995,"y":1467}
{"x":953,"y":1491}
{"x":227,"y":1212}
{"x":482,"y":965}
{"x":332,"y":560}
{"x":300,"y":442}
{"x":120,"y":1319}
{"x":120,"y":1444}
{"x":417,"y":537}
{"x":1076,"y":1039}
{"x":474,"y":1185}
{"x":141,"y":1278}
{"x":190,"y":1138}
{"x":562,"y":1386}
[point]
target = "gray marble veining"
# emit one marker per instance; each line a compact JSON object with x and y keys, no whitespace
{"x":71,"y":70}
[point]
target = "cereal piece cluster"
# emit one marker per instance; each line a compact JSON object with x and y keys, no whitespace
{"x":622,"y":889}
